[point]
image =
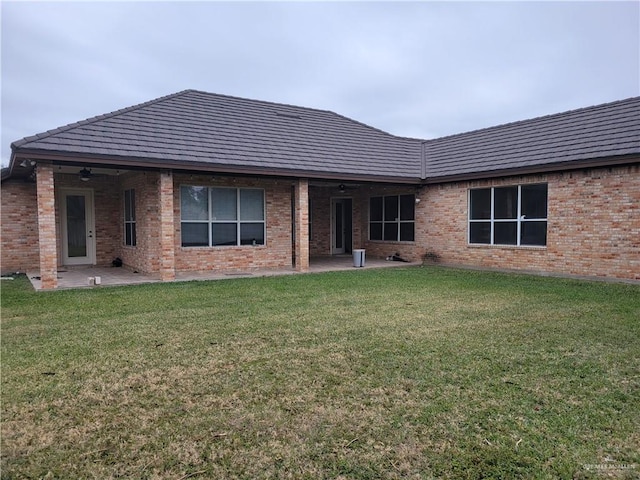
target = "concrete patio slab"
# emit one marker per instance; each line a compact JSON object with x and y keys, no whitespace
{"x":80,"y":277}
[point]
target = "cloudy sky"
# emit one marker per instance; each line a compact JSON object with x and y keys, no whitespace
{"x":421,"y":69}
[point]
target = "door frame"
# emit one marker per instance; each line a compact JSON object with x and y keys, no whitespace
{"x":90,"y":258}
{"x":344,"y":201}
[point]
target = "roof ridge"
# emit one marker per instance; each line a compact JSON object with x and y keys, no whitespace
{"x":377,"y":129}
{"x":94,"y":119}
{"x":299,"y":107}
{"x":255,"y":100}
{"x":533,"y":119}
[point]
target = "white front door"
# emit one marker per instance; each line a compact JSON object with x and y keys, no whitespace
{"x":78,"y":227}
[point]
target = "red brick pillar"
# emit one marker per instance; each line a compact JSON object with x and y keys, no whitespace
{"x":302,"y":225}
{"x":47,"y":226}
{"x":167,"y":245}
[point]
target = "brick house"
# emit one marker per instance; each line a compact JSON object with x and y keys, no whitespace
{"x":196,"y":182}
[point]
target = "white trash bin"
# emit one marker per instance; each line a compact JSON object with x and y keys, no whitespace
{"x":358,"y":257}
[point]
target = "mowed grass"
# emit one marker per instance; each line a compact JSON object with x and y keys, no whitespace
{"x":393,"y":373}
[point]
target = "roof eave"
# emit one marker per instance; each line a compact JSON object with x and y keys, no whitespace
{"x":144,"y":163}
{"x":141,"y":163}
{"x":537,"y":169}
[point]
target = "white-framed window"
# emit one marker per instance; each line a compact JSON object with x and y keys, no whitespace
{"x":221,"y":216}
{"x":130,"y":217}
{"x":511,"y":215}
{"x":392,"y":218}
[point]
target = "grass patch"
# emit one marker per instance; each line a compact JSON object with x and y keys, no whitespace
{"x":396,"y":373}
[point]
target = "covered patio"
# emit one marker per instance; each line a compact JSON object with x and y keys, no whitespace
{"x":97,"y":277}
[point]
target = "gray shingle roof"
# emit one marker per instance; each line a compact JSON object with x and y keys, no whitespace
{"x":193,"y":127}
{"x":601,"y":131}
{"x":198,"y":129}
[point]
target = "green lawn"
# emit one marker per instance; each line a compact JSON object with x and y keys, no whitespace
{"x":393,"y":373}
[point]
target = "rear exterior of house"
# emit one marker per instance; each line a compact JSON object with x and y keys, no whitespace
{"x":202,"y":182}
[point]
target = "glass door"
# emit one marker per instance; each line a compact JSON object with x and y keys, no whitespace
{"x":338,"y":226}
{"x":78,"y":246}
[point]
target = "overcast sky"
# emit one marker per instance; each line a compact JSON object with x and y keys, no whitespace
{"x":420,"y":69}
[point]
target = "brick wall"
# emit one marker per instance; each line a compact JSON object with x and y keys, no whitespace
{"x":45,"y":194}
{"x":20,"y":244}
{"x":320,"y":239}
{"x":141,"y":256}
{"x":593,"y":225}
{"x":166,"y":232}
{"x":277,"y":252}
{"x":381,"y":249}
{"x":301,"y":234}
{"x":321,"y":201}
{"x":19,"y":227}
{"x":107,"y":213}
{"x":360,"y":218}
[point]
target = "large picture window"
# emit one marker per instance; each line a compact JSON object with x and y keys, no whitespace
{"x":130,"y":217}
{"x":392,"y":218}
{"x":218,"y":216}
{"x":514,"y":215}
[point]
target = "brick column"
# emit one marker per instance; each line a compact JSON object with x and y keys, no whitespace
{"x":167,"y":245}
{"x":302,"y":225}
{"x":47,"y":226}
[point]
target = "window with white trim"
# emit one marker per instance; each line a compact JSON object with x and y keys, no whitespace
{"x":219,"y":216}
{"x":392,"y":218}
{"x":130,"y":217}
{"x":513,"y":215}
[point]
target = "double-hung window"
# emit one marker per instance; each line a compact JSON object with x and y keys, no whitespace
{"x":392,"y":218}
{"x":513,"y":215}
{"x":130,"y":217}
{"x":219,"y":216}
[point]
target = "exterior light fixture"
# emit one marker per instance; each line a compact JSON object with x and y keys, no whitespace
{"x":342,"y":188}
{"x":84,"y":174}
